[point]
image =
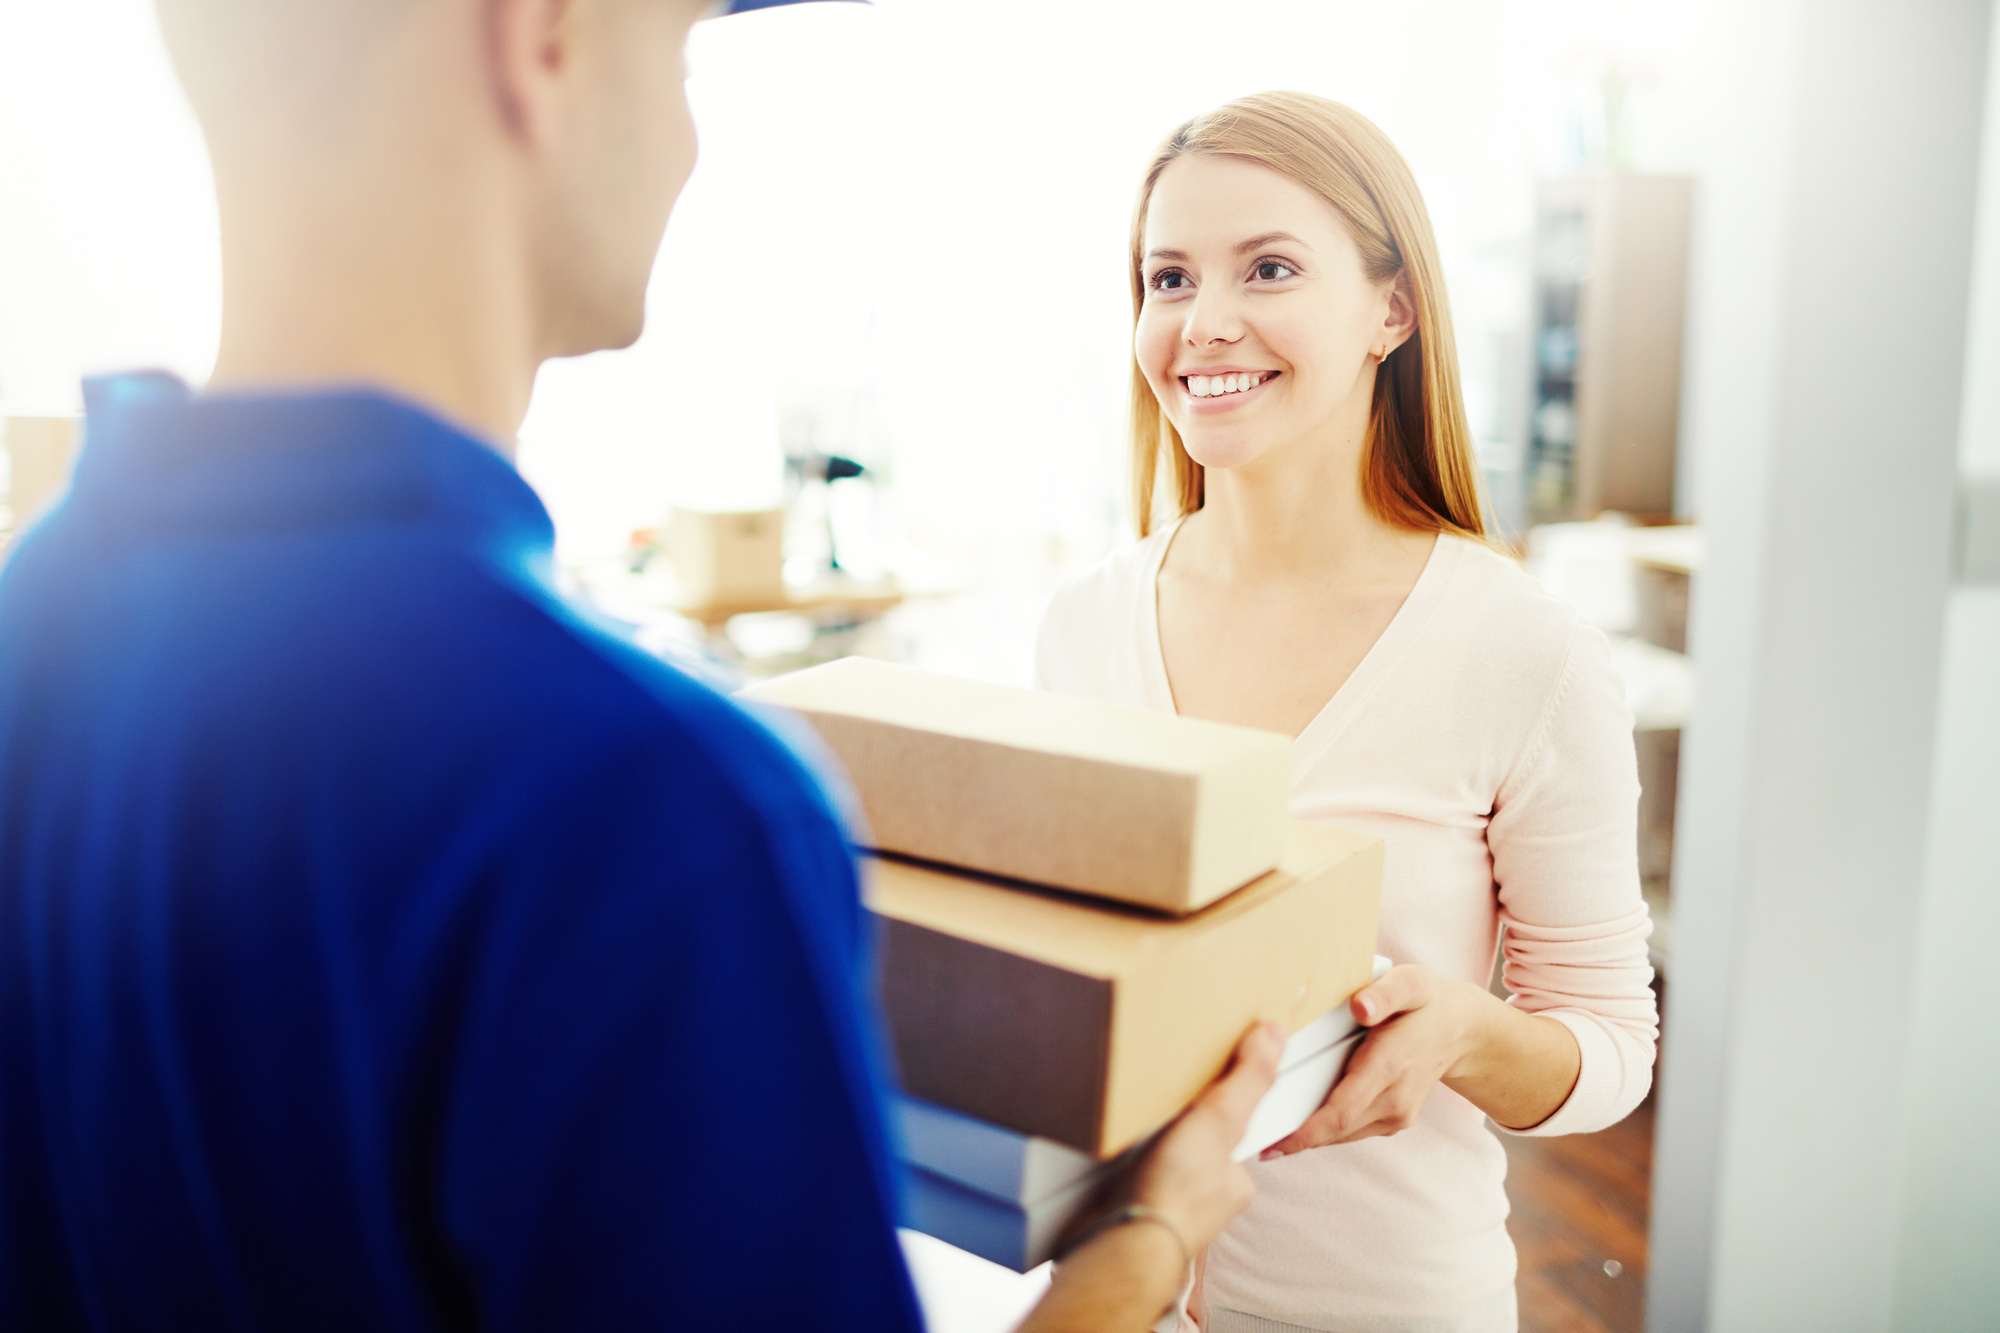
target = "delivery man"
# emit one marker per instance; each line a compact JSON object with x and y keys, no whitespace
{"x":381,"y":947}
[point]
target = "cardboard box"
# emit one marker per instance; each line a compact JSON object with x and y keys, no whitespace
{"x":1016,"y":1236}
{"x":728,"y":557}
{"x":1091,"y":1025}
{"x":40,"y":453}
{"x":1011,"y":1197}
{"x":1003,"y":1196}
{"x":1171,"y":813}
{"x":1311,"y":1063}
{"x":997,"y":1162}
{"x":1022,"y":1233}
{"x":992,"y":1192}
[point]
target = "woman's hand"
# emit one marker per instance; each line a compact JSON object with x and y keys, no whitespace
{"x":1515,"y":1066}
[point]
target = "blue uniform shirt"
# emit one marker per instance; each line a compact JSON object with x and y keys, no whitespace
{"x":381,"y":947}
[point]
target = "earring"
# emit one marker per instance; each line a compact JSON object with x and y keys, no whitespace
{"x":1383,"y":355}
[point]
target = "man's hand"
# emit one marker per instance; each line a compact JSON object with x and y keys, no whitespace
{"x":1122,"y":1279}
{"x":1188,"y":1176}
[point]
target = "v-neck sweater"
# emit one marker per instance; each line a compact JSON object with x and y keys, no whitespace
{"x":1485,"y":737}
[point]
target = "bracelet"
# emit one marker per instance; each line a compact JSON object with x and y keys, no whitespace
{"x":1118,"y":1217}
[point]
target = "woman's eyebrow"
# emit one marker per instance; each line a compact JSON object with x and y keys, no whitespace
{"x":1269,"y":238}
{"x":1242,"y":247}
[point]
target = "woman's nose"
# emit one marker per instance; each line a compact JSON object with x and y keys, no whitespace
{"x":1212,"y":318}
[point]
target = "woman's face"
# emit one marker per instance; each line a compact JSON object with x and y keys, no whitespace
{"x":1259,"y":324}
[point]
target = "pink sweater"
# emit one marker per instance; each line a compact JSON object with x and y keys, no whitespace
{"x":1486,"y":739}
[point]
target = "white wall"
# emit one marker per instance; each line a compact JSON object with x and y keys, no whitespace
{"x":1820,"y":815}
{"x":1947,"y":1277}
{"x":108,"y":252}
{"x":1948,"y":1251}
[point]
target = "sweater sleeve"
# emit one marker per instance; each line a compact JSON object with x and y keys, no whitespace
{"x":1064,"y":646}
{"x":1564,"y":838}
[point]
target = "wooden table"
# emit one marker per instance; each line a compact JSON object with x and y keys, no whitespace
{"x":862,"y":599}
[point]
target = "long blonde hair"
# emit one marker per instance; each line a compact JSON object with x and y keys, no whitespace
{"x":1417,"y":465}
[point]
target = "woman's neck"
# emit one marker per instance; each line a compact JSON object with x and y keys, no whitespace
{"x":1296,"y":515}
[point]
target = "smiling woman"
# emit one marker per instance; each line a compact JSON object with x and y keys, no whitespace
{"x":1322,"y":574}
{"x":1420,"y":470}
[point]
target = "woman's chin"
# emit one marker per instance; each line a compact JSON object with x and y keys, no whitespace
{"x":1224,"y":451}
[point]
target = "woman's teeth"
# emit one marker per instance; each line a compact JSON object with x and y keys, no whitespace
{"x":1214,"y":386}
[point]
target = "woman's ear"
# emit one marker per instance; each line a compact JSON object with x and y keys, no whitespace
{"x":1401,"y":320}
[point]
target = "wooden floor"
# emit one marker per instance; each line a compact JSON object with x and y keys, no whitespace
{"x":1579,"y":1222}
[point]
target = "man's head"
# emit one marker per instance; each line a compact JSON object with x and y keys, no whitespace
{"x":538,"y":144}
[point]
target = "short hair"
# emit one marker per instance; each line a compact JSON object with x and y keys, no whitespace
{"x":1418,"y":469}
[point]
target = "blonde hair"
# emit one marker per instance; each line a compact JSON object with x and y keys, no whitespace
{"x":1417,"y":465}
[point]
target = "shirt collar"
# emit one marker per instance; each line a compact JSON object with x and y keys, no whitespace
{"x":157,"y":455}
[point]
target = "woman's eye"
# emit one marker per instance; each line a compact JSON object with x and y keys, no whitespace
{"x":1170,"y":280}
{"x":1270,"y":270}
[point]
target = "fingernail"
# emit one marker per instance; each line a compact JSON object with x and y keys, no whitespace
{"x":1268,"y":1154}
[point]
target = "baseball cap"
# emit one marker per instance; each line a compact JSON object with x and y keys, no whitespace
{"x":744,"y":6}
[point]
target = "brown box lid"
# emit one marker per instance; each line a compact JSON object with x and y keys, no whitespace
{"x":1093,"y":1024}
{"x":1168,"y":812}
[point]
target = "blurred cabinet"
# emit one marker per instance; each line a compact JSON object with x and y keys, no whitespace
{"x":1665,"y":561}
{"x":1610,"y":298}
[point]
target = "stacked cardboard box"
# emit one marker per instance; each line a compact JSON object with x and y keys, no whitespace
{"x":1092,"y":1026}
{"x":1164,"y":812}
{"x":1009,"y":1197}
{"x":1083,"y":909}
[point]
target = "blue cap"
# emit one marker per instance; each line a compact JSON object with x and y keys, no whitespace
{"x":744,"y":6}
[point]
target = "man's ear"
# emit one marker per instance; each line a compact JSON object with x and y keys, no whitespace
{"x":529,"y":46}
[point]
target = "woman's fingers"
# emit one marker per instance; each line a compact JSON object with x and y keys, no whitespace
{"x":1388,"y":1114}
{"x":1419,"y":1027}
{"x":1386,"y":1079}
{"x":1400,"y":990}
{"x":1320,"y":1129}
{"x":1349,"y":1108}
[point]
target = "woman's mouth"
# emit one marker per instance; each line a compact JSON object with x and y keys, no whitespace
{"x":1209,"y":388}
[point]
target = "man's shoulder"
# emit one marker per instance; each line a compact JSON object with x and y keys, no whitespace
{"x":558,"y":755}
{"x":620,"y":703}
{"x":464,"y":675}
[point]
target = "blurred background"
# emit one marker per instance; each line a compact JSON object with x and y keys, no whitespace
{"x":880,"y":403}
{"x":903,"y":246}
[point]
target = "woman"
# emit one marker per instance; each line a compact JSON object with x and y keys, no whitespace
{"x":1323,"y":573}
